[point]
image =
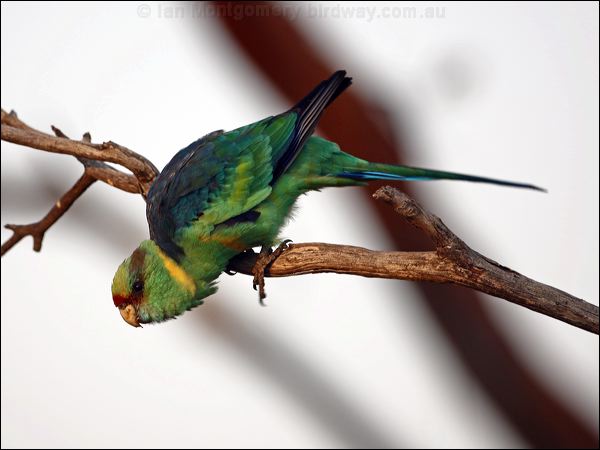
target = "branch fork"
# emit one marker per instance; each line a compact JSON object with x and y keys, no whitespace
{"x":93,"y":157}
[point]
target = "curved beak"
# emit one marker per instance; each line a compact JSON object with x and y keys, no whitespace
{"x":129,"y":315}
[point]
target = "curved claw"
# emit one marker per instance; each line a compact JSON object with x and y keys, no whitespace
{"x":265,"y":258}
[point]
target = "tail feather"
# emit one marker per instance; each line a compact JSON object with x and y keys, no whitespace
{"x":309,"y":111}
{"x":405,"y":173}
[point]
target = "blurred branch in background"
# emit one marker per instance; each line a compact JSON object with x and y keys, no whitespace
{"x":316,"y":391}
{"x":279,"y":50}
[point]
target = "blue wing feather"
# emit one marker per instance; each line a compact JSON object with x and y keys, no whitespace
{"x":370,"y":175}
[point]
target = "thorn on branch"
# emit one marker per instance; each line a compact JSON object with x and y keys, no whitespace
{"x":58,"y":133}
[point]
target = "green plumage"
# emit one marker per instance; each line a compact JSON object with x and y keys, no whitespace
{"x":232,"y":191}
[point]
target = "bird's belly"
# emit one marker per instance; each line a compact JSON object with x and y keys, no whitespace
{"x":244,"y":234}
{"x":261,"y":225}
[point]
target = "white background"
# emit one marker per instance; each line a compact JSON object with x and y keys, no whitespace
{"x":509,"y":91}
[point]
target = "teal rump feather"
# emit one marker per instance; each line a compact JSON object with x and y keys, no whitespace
{"x":405,"y":173}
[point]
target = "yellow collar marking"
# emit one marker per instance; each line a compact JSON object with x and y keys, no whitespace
{"x":177,"y":272}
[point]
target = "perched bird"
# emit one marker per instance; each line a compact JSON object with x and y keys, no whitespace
{"x":230,"y":191}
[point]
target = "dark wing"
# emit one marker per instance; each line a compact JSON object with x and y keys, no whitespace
{"x":308,"y":112}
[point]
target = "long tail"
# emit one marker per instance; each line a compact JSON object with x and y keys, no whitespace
{"x":376,"y":171}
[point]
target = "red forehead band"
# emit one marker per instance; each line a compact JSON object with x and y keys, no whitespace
{"x":119,"y":300}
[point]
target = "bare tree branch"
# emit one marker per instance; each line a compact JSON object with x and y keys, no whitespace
{"x":91,"y":156}
{"x":103,"y":172}
{"x":38,"y":229}
{"x":16,"y":131}
{"x":451,"y":262}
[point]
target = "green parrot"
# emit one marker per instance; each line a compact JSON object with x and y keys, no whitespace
{"x":231,"y":191}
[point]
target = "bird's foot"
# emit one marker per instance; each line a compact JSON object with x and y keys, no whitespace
{"x":265,"y":258}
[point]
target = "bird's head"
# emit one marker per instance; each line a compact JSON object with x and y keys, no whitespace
{"x":149,"y":286}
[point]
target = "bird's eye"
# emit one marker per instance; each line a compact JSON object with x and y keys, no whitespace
{"x":138,"y":287}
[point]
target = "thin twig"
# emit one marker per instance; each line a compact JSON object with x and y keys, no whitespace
{"x":452,"y":262}
{"x":16,"y":131}
{"x":38,"y":229}
{"x":102,"y":171}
